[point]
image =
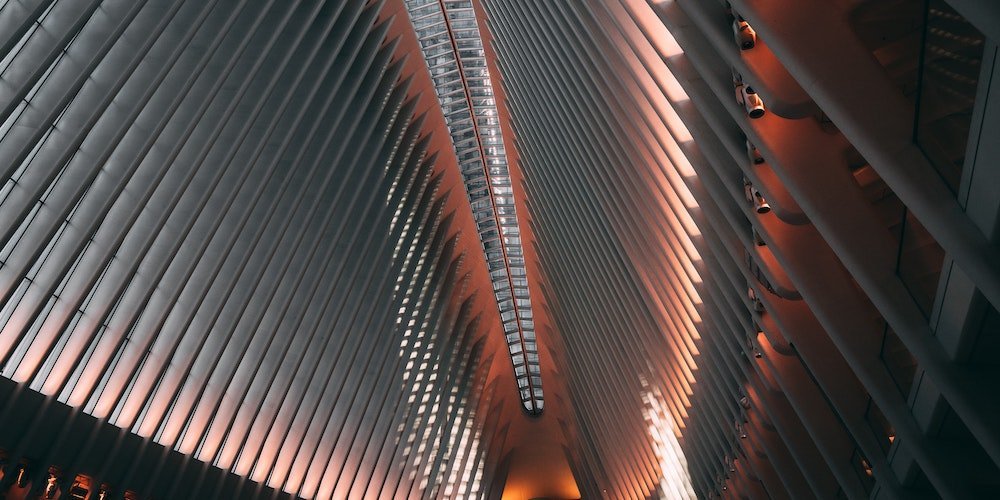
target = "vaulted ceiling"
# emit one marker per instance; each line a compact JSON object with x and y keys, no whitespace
{"x":408,"y":249}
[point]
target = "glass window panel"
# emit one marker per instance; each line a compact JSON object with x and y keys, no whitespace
{"x":442,"y":43}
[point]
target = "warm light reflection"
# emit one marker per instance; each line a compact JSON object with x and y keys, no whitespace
{"x":657,"y":33}
{"x":674,"y":479}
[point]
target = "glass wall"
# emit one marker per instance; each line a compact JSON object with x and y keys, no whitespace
{"x":951,"y":57}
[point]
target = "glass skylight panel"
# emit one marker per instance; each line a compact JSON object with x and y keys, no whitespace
{"x":453,"y":51}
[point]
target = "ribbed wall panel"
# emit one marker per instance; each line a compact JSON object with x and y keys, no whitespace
{"x":728,"y":277}
{"x":223,"y":232}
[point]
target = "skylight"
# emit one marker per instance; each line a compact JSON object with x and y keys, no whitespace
{"x":453,"y":50}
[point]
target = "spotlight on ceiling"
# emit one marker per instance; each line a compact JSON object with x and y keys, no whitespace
{"x":755,"y":157}
{"x":752,"y":102}
{"x":745,"y":35}
{"x":759,"y":203}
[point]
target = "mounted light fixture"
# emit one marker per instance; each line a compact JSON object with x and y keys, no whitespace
{"x":78,"y":492}
{"x":760,"y":204}
{"x":51,"y":483}
{"x":22,"y":475}
{"x":745,"y":35}
{"x":754,"y":196}
{"x":867,"y":467}
{"x":753,"y":348}
{"x":757,"y":304}
{"x":752,"y":102}
{"x":754,"y":154}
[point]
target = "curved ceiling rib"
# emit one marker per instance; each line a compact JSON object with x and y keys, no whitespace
{"x":453,"y":50}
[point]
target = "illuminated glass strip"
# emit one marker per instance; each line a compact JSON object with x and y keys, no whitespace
{"x":453,"y":50}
